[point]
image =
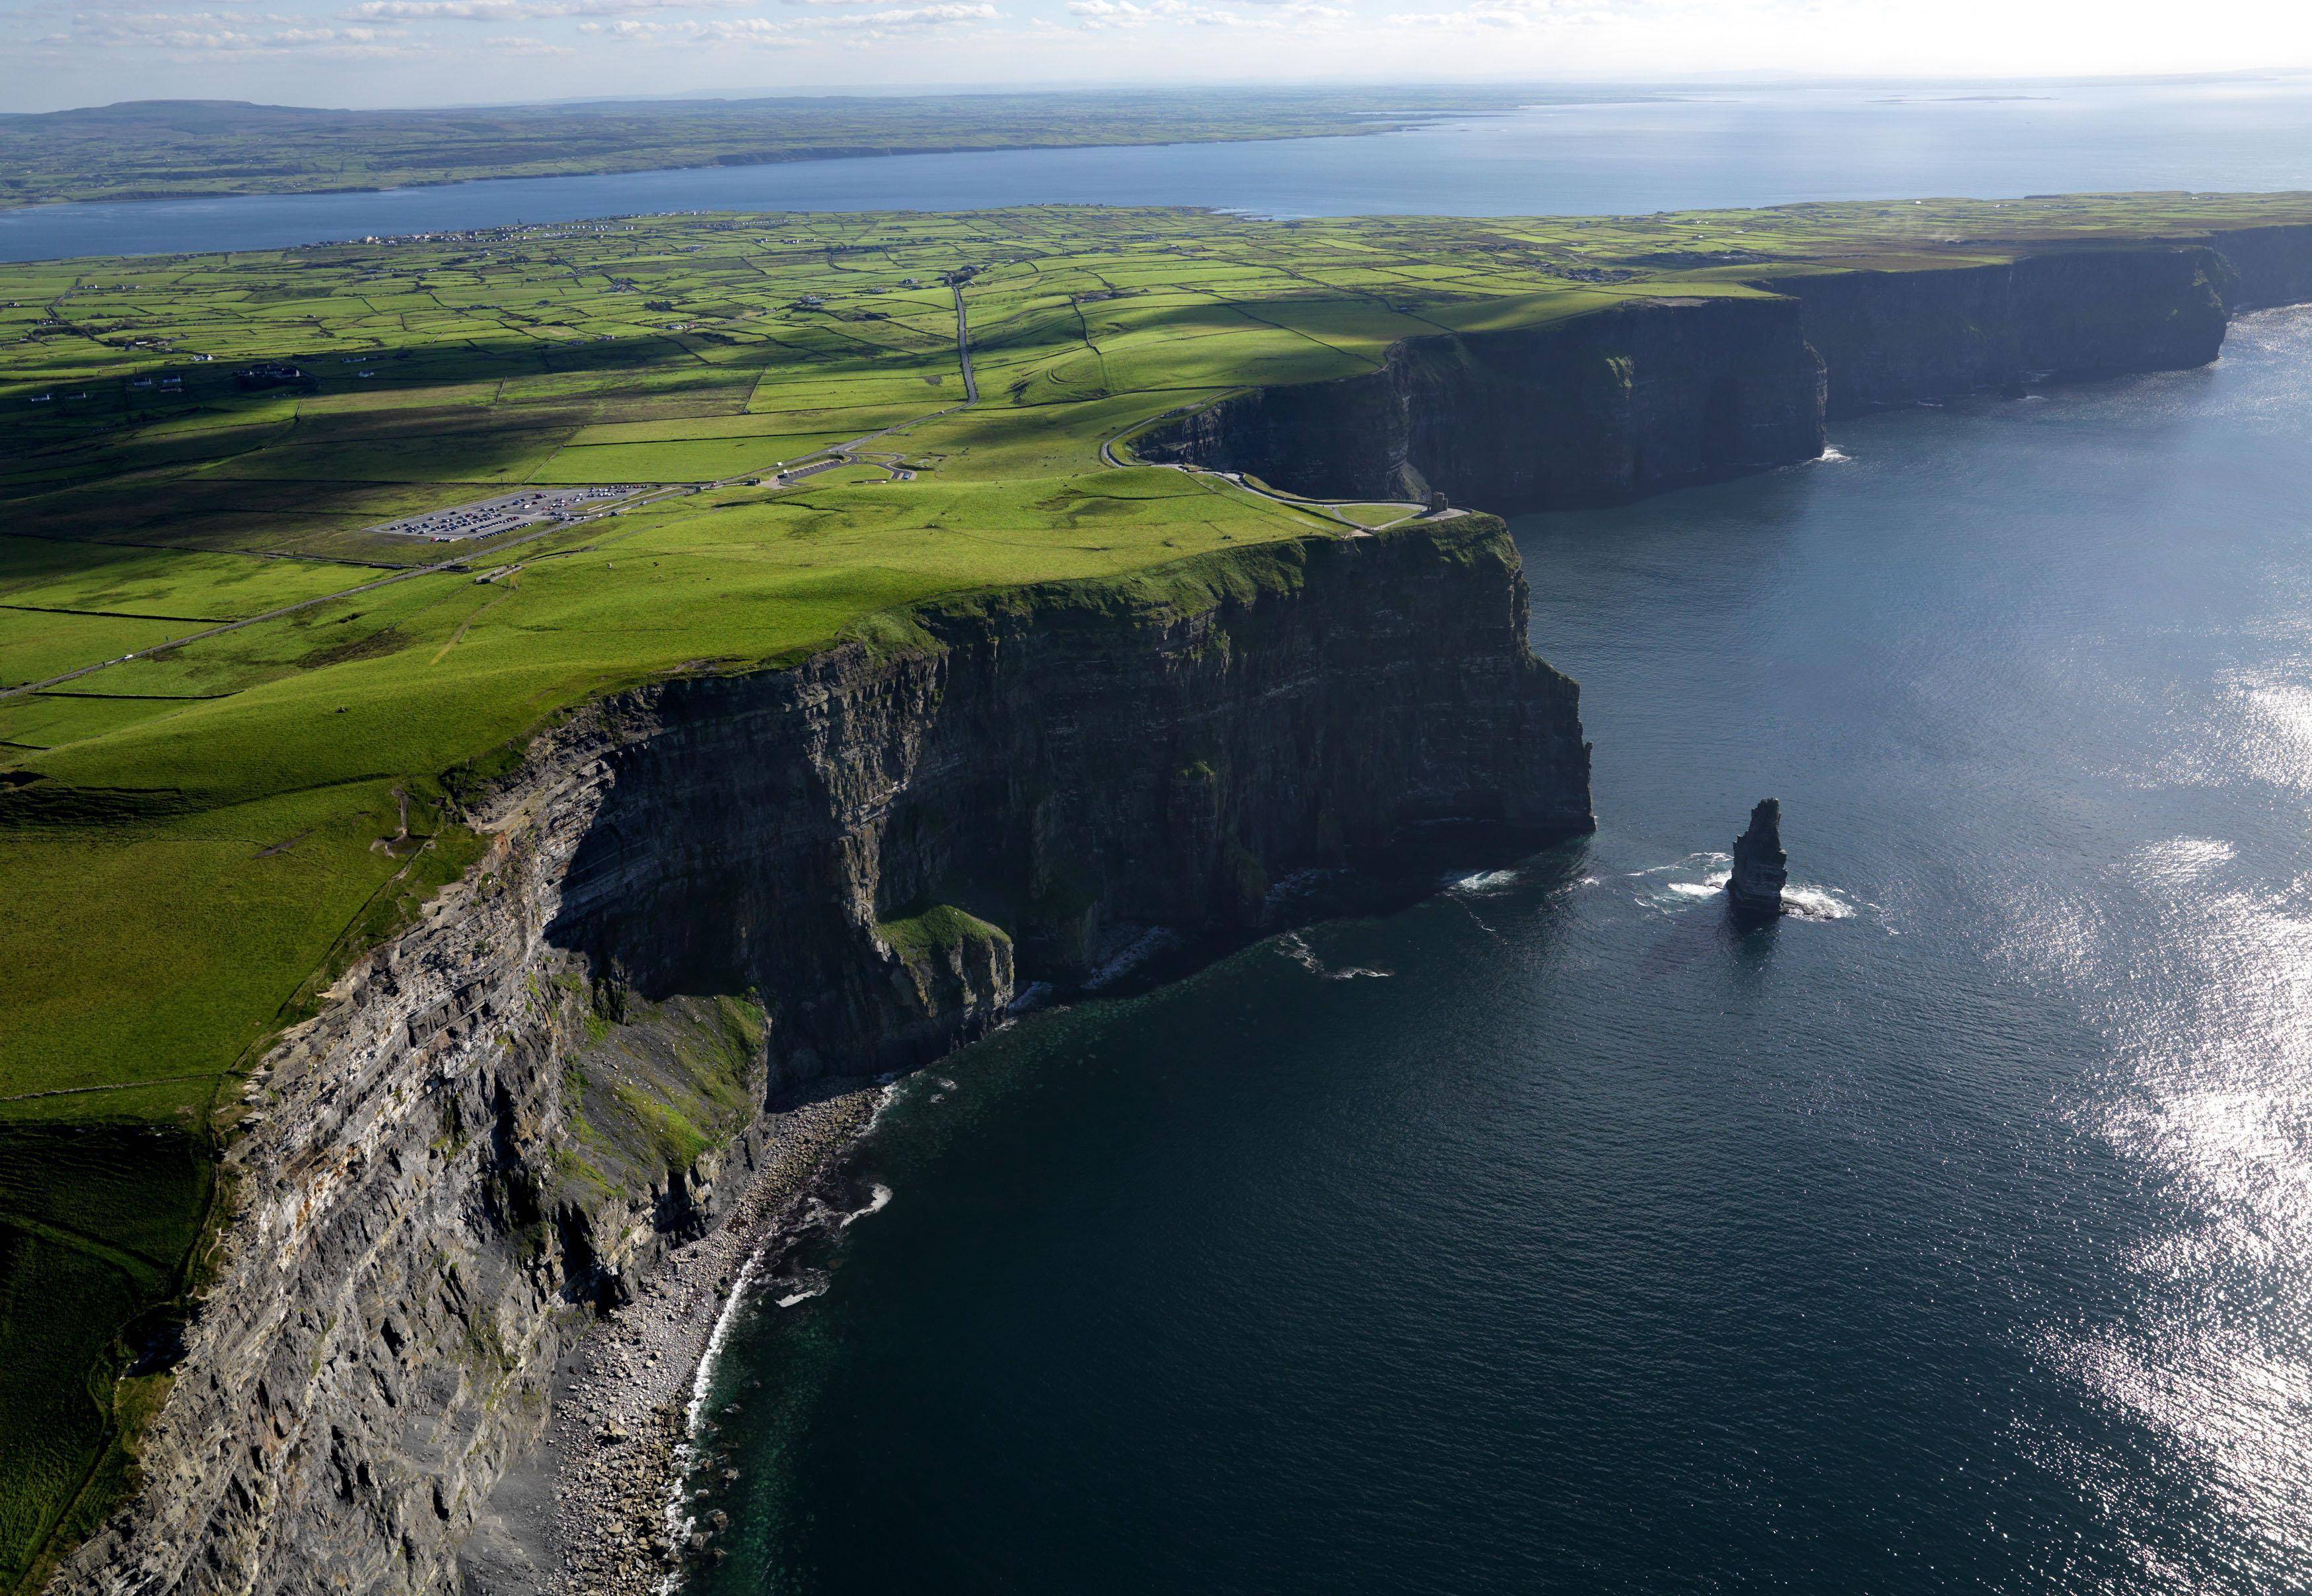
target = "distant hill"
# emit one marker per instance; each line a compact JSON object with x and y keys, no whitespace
{"x":145,"y":149}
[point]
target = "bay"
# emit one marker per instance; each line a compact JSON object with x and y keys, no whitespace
{"x":1719,"y":147}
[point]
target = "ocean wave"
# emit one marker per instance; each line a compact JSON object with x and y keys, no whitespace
{"x":1482,"y":881}
{"x":1814,"y":903}
{"x":878,"y":1198}
{"x":1700,"y":878}
{"x":887,"y":1092}
{"x":1295,"y":947}
{"x":680,"y":1521}
{"x":802,"y":1289}
{"x":1682,"y":883}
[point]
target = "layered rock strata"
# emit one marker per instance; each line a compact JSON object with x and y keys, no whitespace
{"x":1636,"y":399}
{"x":1650,"y":396}
{"x":2274,"y":265}
{"x":1895,"y":337}
{"x":700,"y":895}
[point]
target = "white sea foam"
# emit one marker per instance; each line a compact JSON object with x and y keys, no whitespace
{"x":886,"y":1094}
{"x":1484,"y":880}
{"x":1814,"y":903}
{"x":878,"y":1198}
{"x":1682,"y":883}
{"x":678,"y":1523}
{"x":1295,"y":947}
{"x":1832,"y":455}
{"x":1699,"y":877}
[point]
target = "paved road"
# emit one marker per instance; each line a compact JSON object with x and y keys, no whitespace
{"x":1323,"y":508}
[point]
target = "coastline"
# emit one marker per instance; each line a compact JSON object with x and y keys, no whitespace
{"x":1407,"y":122}
{"x":591,"y":1509}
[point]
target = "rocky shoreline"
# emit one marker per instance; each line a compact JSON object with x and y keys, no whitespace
{"x":589,"y":1512}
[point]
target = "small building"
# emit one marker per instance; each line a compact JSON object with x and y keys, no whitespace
{"x":268,"y":374}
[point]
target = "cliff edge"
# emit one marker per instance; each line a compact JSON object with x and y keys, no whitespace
{"x":700,"y":895}
{"x":1652,"y":395}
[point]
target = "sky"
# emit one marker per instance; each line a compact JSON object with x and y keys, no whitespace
{"x":58,"y":53}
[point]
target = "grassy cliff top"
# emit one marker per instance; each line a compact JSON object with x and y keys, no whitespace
{"x":200,"y":839}
{"x":196,"y":832}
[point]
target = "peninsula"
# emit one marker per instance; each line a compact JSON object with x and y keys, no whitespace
{"x":502,"y":735}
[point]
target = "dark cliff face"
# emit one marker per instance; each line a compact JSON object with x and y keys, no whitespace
{"x":1073,"y":767}
{"x":2274,"y":265}
{"x":1637,"y":400}
{"x":1897,"y":337}
{"x":843,"y":866}
{"x":1659,"y":395}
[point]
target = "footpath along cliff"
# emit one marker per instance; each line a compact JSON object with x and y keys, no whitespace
{"x":1652,"y":395}
{"x":702,"y":898}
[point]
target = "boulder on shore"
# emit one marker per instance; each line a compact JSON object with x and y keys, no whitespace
{"x":1756,"y":885}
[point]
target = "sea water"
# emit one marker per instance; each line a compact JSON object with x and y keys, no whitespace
{"x":1654,"y":151}
{"x":1954,"y":1235}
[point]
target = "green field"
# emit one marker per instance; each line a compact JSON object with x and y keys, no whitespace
{"x":187,"y":837}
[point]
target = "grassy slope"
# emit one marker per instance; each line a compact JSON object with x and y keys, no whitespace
{"x":210,"y":831}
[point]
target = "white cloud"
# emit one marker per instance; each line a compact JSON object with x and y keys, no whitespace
{"x":1101,"y":15}
{"x":722,"y":31}
{"x":1111,"y":13}
{"x":212,"y":32}
{"x":929,"y":16}
{"x":509,"y":11}
{"x":862,"y":27}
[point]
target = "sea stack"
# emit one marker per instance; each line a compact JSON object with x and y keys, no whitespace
{"x":1756,"y":883}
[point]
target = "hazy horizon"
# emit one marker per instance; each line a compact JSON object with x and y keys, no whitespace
{"x":1686,"y":83}
{"x":378,"y":54}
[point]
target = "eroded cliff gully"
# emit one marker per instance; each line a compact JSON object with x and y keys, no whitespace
{"x":1654,"y":395}
{"x":701,"y":895}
